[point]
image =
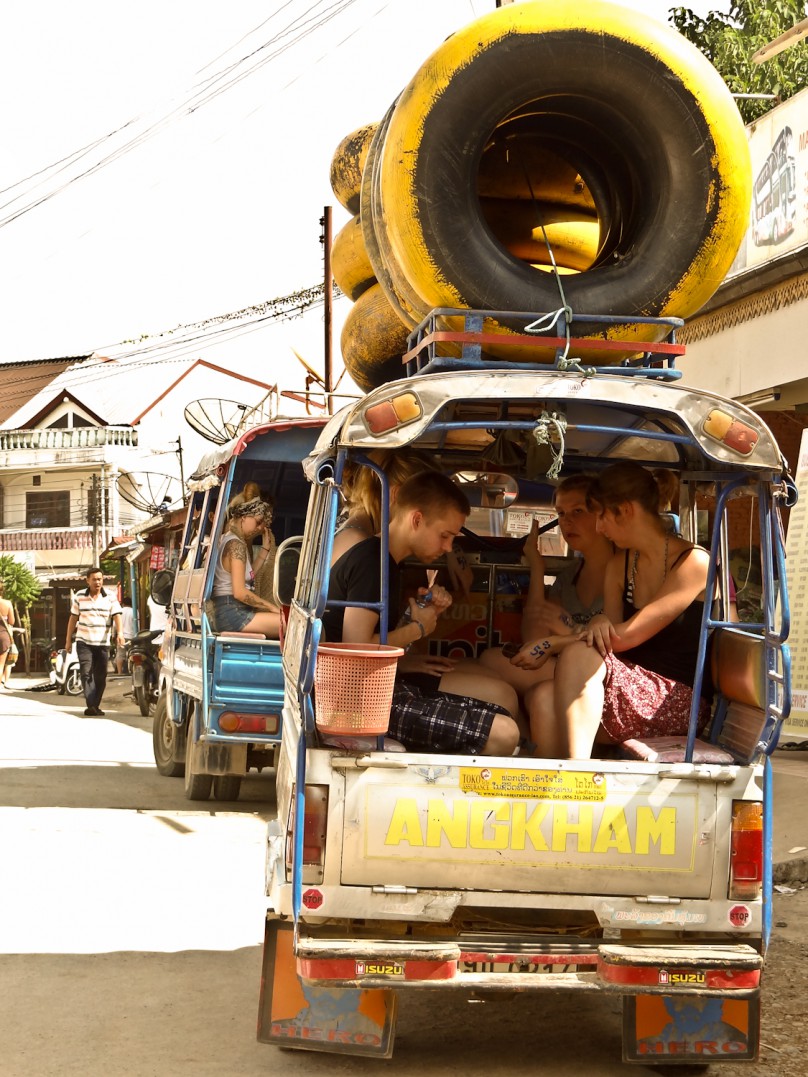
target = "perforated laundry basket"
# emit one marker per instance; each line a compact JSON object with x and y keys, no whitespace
{"x":353,"y":687}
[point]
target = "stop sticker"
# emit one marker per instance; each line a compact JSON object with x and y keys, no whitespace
{"x":739,"y":915}
{"x":312,"y":899}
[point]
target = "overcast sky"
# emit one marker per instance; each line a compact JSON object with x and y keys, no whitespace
{"x":216,"y":210}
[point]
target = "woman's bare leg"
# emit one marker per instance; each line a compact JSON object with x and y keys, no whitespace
{"x":545,"y":731}
{"x":578,"y":697}
{"x":268,"y":623}
{"x":494,"y":662}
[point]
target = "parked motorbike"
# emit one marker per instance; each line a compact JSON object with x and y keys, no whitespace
{"x":143,"y":655}
{"x":65,"y":674}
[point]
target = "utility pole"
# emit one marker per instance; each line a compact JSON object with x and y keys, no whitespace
{"x":329,"y":306}
{"x":182,"y":474}
{"x":93,"y":515}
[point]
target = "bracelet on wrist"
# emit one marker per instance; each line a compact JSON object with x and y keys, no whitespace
{"x":421,"y":629}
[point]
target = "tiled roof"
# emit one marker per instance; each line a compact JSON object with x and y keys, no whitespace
{"x":21,"y":382}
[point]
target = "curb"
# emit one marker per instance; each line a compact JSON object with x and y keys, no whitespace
{"x":791,"y":872}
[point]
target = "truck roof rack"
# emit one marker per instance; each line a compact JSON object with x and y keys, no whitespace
{"x":426,"y":345}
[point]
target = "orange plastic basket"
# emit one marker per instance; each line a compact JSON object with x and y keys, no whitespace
{"x":353,"y":687}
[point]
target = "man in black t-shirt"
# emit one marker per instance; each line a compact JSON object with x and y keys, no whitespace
{"x":427,"y":517}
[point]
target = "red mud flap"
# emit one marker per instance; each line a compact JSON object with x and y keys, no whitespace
{"x":690,"y":1028}
{"x":698,"y":1004}
{"x":357,"y":1021}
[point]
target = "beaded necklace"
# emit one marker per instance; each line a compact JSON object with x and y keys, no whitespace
{"x":633,"y":572}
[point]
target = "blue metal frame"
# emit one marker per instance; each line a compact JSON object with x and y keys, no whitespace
{"x":306,"y":680}
{"x":774,"y":589}
{"x":768,"y":871}
{"x":471,"y":353}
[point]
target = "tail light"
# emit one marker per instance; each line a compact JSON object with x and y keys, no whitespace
{"x":315,"y":823}
{"x":234,"y":722}
{"x":746,"y":863}
{"x":136,"y":658}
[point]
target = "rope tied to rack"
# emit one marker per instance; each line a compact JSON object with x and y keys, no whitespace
{"x":551,"y":427}
{"x":542,"y":325}
{"x":569,"y":363}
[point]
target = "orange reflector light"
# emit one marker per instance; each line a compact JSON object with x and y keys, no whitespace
{"x":736,"y":435}
{"x":388,"y":414}
{"x":235,"y":722}
{"x":746,"y":863}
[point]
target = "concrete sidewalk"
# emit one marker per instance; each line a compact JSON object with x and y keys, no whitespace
{"x":790,"y":828}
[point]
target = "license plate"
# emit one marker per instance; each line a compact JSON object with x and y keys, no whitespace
{"x":512,"y":967}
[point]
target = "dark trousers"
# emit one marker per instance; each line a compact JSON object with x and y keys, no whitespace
{"x":93,"y":663}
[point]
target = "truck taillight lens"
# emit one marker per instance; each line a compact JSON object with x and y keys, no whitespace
{"x":235,"y":722}
{"x":746,"y":863}
{"x":314,"y":827}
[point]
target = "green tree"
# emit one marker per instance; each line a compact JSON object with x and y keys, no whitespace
{"x":21,"y":588}
{"x":729,"y":42}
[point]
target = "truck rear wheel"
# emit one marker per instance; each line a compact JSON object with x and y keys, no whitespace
{"x":168,"y":756}
{"x":197,"y":786}
{"x":226,"y":786}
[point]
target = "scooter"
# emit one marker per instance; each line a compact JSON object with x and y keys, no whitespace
{"x":65,"y":674}
{"x":143,"y":655}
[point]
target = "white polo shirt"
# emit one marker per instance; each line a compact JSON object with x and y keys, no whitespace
{"x":94,"y":616}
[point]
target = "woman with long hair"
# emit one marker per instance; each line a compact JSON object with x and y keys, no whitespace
{"x":576,"y":594}
{"x":363,"y":494}
{"x":630,"y":671}
{"x":237,"y":608}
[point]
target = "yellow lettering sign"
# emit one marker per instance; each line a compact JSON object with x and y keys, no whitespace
{"x":564,"y":827}
{"x":498,"y":824}
{"x":405,"y":826}
{"x":659,"y":829}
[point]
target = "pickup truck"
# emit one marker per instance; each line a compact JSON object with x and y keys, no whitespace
{"x":221,"y":694}
{"x":645,"y":873}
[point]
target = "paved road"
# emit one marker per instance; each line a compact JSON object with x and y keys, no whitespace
{"x":131,"y":927}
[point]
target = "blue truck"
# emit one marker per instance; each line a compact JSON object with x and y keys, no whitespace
{"x":221,"y":694}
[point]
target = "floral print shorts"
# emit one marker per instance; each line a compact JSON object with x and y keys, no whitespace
{"x":640,"y":703}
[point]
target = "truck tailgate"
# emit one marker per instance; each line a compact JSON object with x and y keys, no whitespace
{"x":532,"y":825}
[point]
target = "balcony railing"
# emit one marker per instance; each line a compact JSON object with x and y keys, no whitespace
{"x":77,"y":437}
{"x":47,"y":538}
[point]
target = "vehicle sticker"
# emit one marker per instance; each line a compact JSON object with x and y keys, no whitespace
{"x":312,"y":899}
{"x":653,"y":916}
{"x":675,"y":977}
{"x":535,"y":784}
{"x":740,"y":915}
{"x":364,"y":968}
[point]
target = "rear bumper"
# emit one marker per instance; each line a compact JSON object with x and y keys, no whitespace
{"x":548,"y":963}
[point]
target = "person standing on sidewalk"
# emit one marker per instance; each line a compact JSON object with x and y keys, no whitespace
{"x":93,"y":612}
{"x":6,"y":625}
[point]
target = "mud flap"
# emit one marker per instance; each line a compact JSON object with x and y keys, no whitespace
{"x":294,"y":1014}
{"x":690,"y":1028}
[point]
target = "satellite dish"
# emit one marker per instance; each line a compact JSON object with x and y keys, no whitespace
{"x":216,"y":420}
{"x":149,"y":491}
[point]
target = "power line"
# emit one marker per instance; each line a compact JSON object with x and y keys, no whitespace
{"x":175,"y":345}
{"x":206,"y":91}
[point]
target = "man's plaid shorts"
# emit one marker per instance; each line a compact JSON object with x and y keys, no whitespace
{"x":439,"y":722}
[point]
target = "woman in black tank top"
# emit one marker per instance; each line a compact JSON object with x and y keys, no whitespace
{"x":630,"y":672}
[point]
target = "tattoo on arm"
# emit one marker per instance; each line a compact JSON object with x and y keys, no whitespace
{"x":238,"y":550}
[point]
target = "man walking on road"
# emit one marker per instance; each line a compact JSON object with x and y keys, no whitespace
{"x":93,"y":612}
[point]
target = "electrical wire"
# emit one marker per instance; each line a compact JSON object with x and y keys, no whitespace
{"x":302,"y":26}
{"x":172,"y":346}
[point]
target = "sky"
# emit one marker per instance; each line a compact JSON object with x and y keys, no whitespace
{"x":217,"y":123}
